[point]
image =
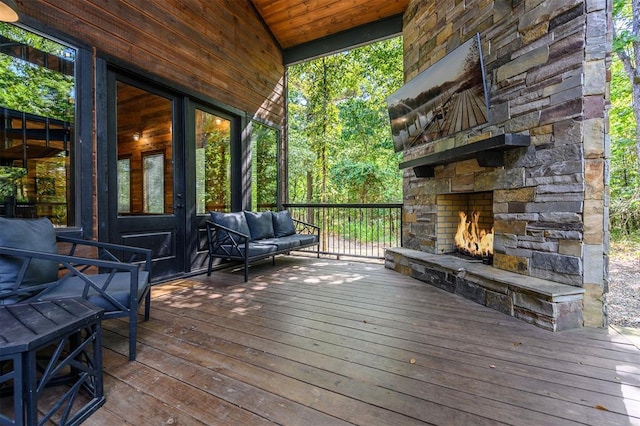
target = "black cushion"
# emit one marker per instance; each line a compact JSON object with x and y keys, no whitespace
{"x":283,"y":224}
{"x":260,"y":225}
{"x":119,"y":288}
{"x":288,"y":242}
{"x":235,"y":221}
{"x":27,"y":234}
{"x":254,"y":249}
{"x":305,"y":239}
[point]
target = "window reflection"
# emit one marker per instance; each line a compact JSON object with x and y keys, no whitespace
{"x":145,"y":140}
{"x":124,"y":185}
{"x":153,"y":183}
{"x":37,"y":116}
{"x":213,"y":163}
{"x":264,"y":164}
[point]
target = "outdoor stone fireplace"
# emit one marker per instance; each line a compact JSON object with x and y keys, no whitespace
{"x":536,"y":171}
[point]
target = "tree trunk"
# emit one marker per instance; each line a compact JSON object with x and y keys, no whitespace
{"x":636,"y":113}
{"x":309,"y":196}
{"x":630,"y":58}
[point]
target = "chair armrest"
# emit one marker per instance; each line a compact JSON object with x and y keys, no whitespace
{"x":233,"y":238}
{"x":137,"y":254}
{"x":305,"y":227}
{"x":224,"y":228}
{"x":75,"y":265}
{"x":213,"y":228}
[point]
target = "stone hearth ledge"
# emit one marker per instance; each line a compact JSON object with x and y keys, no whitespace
{"x":546,"y":304}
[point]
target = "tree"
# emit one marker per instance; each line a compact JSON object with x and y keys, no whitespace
{"x":32,"y":88}
{"x":624,"y":116}
{"x":626,"y":45}
{"x":340,"y":146}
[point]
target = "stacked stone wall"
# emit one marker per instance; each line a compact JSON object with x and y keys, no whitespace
{"x":546,"y":66}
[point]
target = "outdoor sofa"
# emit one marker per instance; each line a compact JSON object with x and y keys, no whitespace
{"x":250,"y":236}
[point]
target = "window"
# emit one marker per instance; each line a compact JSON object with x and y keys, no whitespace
{"x":264,"y":165}
{"x":37,"y":111}
{"x":153,"y":183}
{"x":145,"y":139}
{"x":124,"y":185}
{"x":213,"y":163}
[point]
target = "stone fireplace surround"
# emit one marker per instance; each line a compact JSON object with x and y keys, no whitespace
{"x":546,"y":65}
{"x":508,"y":205}
{"x":546,"y":304}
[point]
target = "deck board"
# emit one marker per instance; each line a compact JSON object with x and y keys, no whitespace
{"x":320,"y":341}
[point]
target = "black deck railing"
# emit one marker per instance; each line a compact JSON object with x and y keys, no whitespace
{"x":358,"y":230}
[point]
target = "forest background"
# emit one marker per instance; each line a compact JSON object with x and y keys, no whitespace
{"x":340,"y":144}
{"x":341,"y":151}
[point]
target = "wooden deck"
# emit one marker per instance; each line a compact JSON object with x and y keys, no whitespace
{"x":323,"y":342}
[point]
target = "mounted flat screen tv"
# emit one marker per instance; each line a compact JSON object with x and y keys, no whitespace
{"x":446,"y":98}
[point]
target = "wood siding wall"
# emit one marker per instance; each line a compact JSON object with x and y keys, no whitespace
{"x":217,"y":48}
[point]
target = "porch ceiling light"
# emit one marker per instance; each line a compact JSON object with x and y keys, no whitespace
{"x":8,"y":11}
{"x":136,"y":136}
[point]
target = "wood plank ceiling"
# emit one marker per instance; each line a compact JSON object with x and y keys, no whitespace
{"x":294,"y":22}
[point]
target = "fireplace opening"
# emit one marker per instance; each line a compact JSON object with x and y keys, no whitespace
{"x":465,"y":224}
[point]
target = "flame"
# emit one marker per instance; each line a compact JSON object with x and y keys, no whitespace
{"x":472,"y":241}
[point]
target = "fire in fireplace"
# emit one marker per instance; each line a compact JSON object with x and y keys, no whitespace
{"x":465,"y":224}
{"x":471,"y":240}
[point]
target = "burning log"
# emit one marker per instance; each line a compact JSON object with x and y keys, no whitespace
{"x":471,"y":240}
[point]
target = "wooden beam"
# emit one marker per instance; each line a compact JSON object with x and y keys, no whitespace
{"x":488,"y":152}
{"x":378,"y":30}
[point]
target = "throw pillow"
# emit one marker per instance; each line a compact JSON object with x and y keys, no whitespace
{"x":27,"y":234}
{"x":260,"y":225}
{"x":235,"y":221}
{"x":283,"y":224}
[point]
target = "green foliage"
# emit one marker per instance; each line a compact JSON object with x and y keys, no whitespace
{"x":623,"y":22}
{"x":10,"y":179}
{"x":374,"y":228}
{"x":31,"y":88}
{"x":623,"y":128}
{"x":217,"y":167}
{"x":264,"y":142}
{"x":624,"y":173}
{"x":340,"y":146}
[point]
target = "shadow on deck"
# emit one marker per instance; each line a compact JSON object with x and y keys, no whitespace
{"x":321,"y":341}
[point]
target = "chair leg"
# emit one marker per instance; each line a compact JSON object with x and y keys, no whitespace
{"x":147,"y":305}
{"x":133,"y":333}
{"x":210,"y":265}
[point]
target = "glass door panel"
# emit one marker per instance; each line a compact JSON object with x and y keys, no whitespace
{"x":145,"y":138}
{"x":264,"y":167}
{"x":213,"y":162}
